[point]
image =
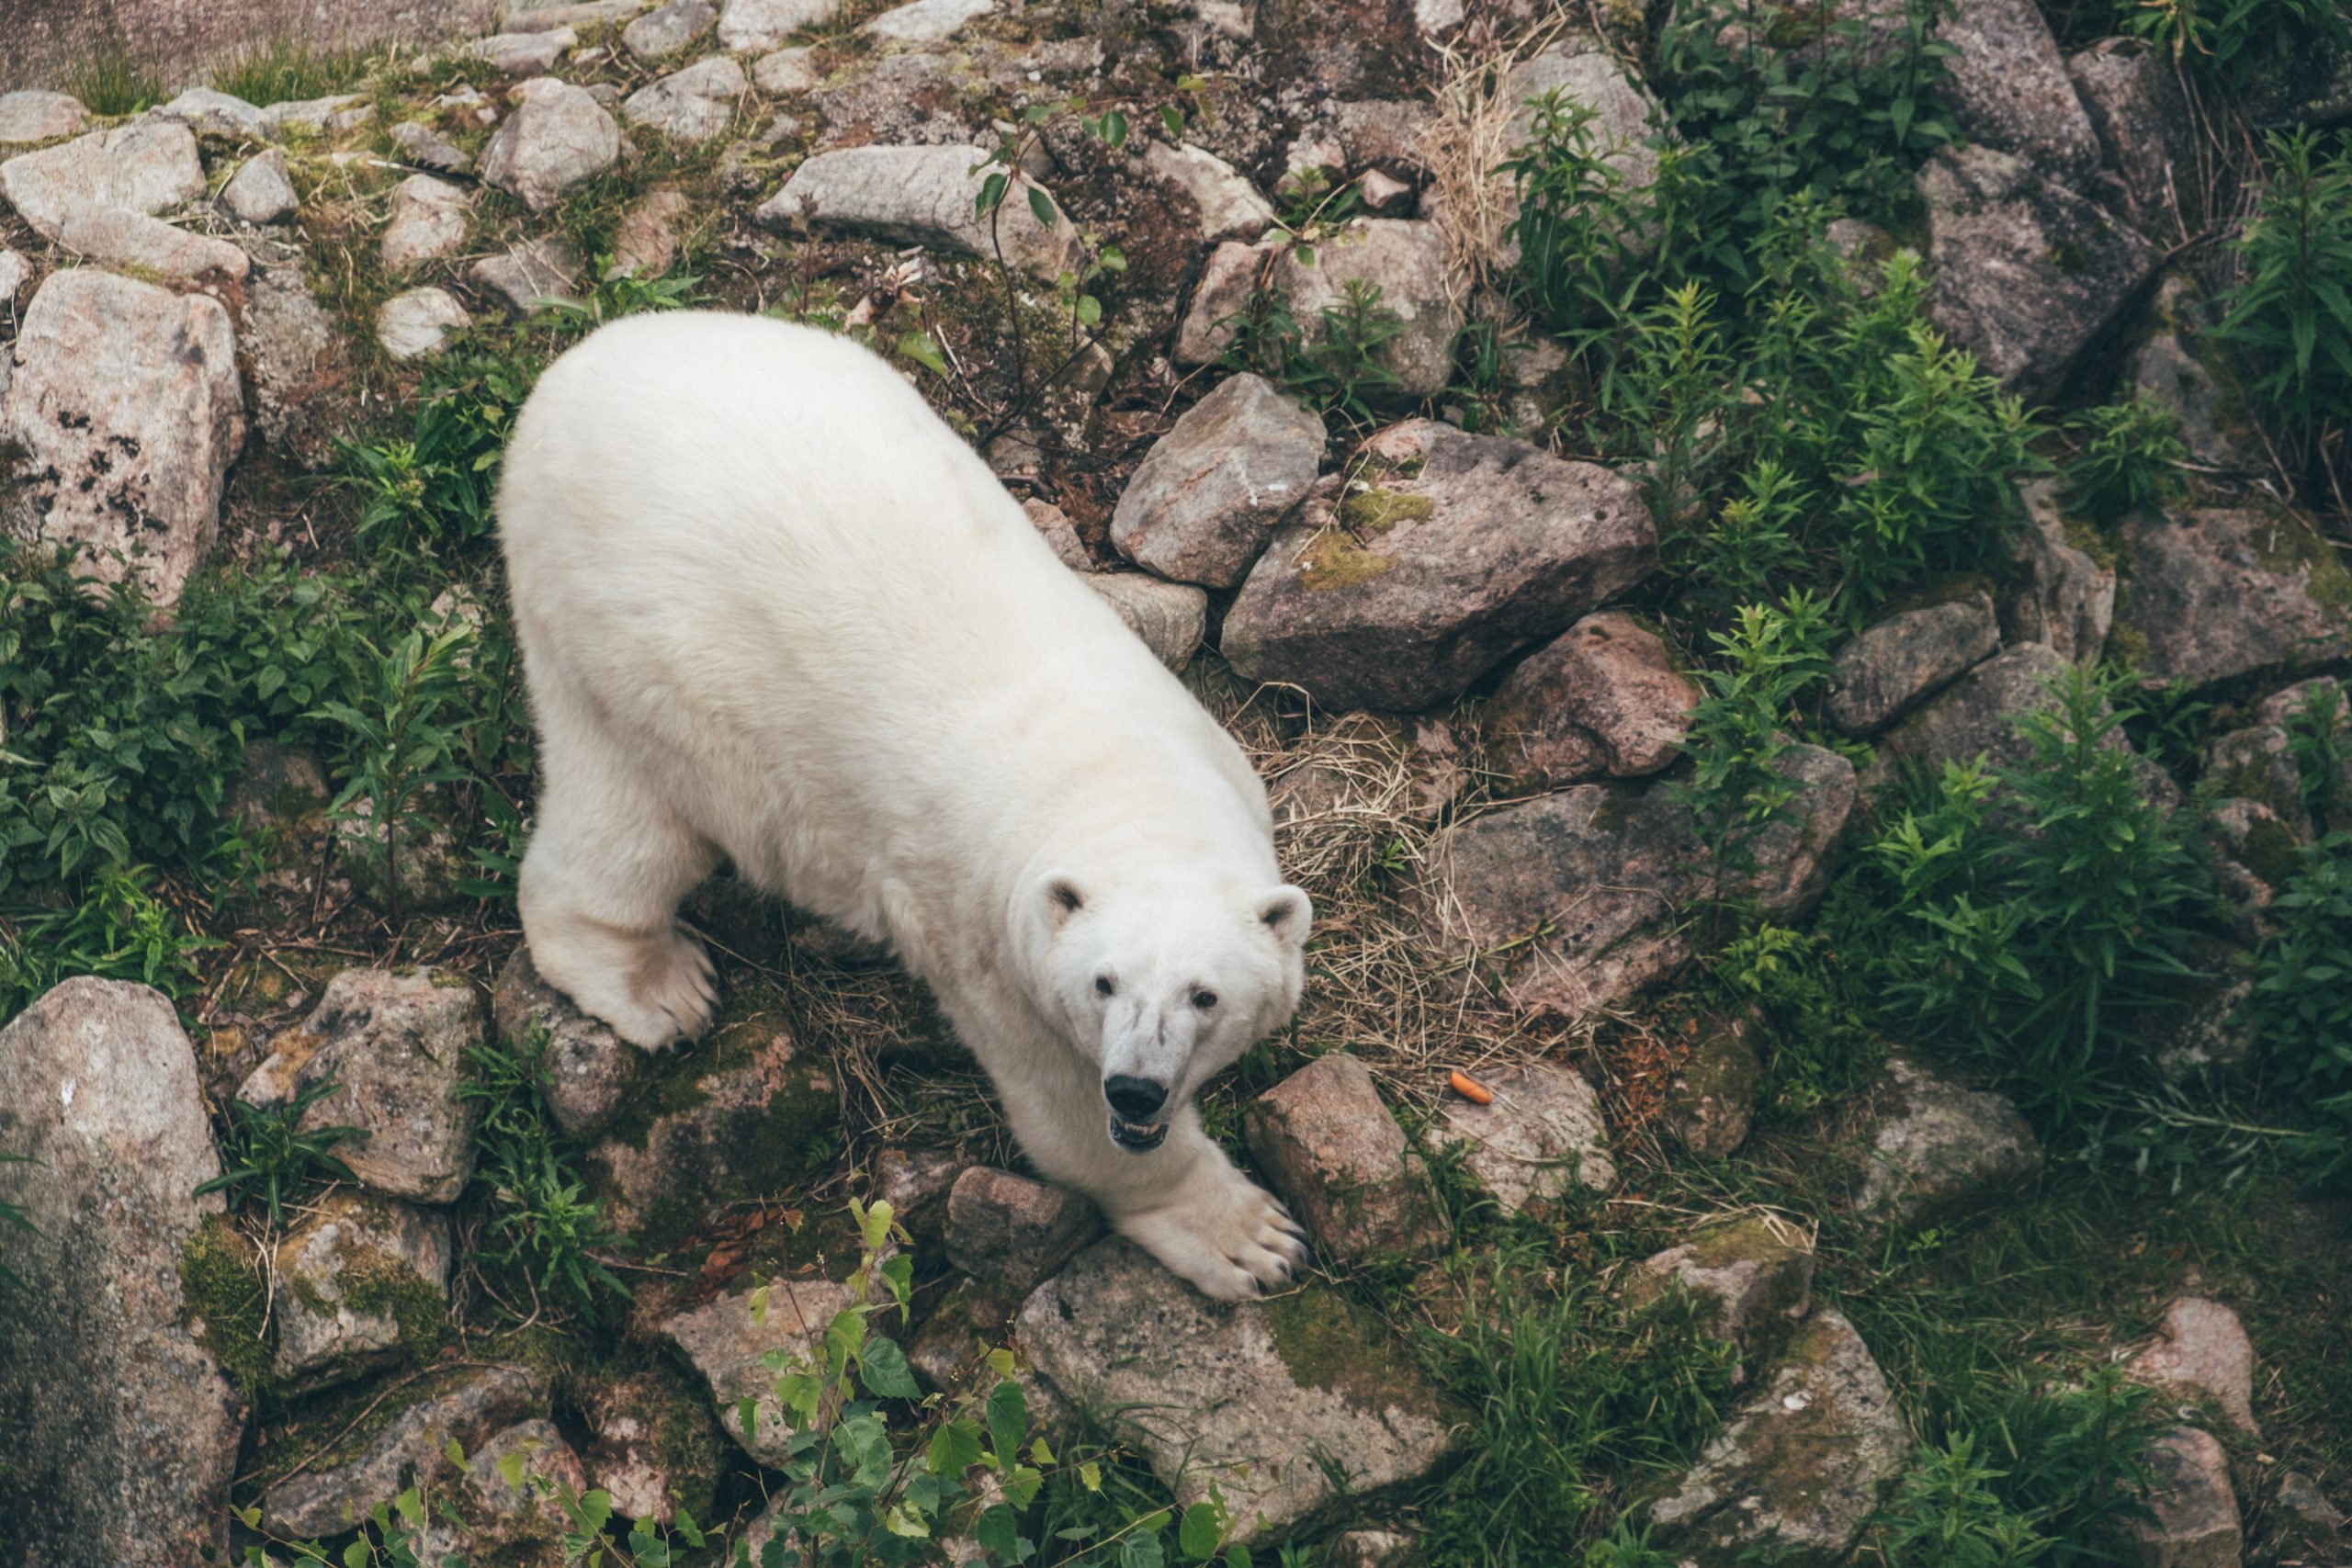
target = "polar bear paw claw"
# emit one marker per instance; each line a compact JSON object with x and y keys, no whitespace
{"x":673,"y":993}
{"x":1236,"y":1247}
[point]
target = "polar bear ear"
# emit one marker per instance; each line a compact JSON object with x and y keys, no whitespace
{"x":1061,"y":897}
{"x":1288,"y":913}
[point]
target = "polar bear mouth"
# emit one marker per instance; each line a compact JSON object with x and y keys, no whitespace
{"x":1138,"y":1137}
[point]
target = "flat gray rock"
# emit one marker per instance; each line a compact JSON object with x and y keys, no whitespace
{"x":764,"y":24}
{"x":118,"y":1432}
{"x":1601,"y":700}
{"x":142,"y":167}
{"x":2007,"y":86}
{"x":419,"y":322}
{"x":2142,"y":123}
{"x":31,"y":115}
{"x":667,"y":29}
{"x":1207,"y":496}
{"x":1446,"y":553}
{"x":1228,"y":203}
{"x":1929,"y":1148}
{"x":1539,"y":1137}
{"x":693,"y":105}
{"x":918,"y":196}
{"x":348,"y":1269}
{"x":395,"y":1043}
{"x":2214,"y":594}
{"x":210,"y":113}
{"x":299,"y":363}
{"x":336,"y":111}
{"x":429,"y":220}
{"x":926,"y":21}
{"x":535,"y":276}
{"x":1751,"y":1276}
{"x":1899,"y":660}
{"x":525,"y":54}
{"x":131,"y":239}
{"x":559,"y":136}
{"x":726,"y":1339}
{"x":261,"y":191}
{"x":426,"y":148}
{"x":467,"y":1405}
{"x":1255,"y":1398}
{"x":128,"y":404}
{"x":1171,"y":619}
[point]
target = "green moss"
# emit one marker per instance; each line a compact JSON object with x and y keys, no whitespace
{"x":385,"y":1287}
{"x":2069,"y":257}
{"x":1336,"y":561}
{"x":1616,"y":810}
{"x":225,"y":1297}
{"x":2286,"y":544}
{"x":1329,"y":1343}
{"x":2271,"y":852}
{"x":1377,"y":511}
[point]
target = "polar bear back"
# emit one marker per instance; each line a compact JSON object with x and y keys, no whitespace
{"x":751,"y":558}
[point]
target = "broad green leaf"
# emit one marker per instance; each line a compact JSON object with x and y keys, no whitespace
{"x":882,"y":1367}
{"x":1042,"y":206}
{"x":918,"y":346}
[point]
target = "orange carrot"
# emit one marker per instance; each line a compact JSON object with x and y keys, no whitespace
{"x":1470,"y":1089}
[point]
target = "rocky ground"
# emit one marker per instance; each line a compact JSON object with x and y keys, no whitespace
{"x":1559,"y":1178}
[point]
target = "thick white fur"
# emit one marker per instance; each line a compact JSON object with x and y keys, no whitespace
{"x":771,"y":609}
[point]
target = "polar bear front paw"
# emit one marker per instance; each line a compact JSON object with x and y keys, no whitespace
{"x":1234,"y":1242}
{"x":672,"y":992}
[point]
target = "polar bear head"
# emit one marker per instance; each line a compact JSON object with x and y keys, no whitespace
{"x":1163,"y":981}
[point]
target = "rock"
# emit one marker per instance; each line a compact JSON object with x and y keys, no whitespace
{"x":525,"y":54}
{"x":2213,"y":594}
{"x":336,"y":111}
{"x":422,"y":859}
{"x":118,"y":1432}
{"x":1385,"y":197}
{"x":693,"y":105}
{"x":1540,"y":1135}
{"x":916,"y":196}
{"x":1207,"y":496}
{"x":2258,"y":765}
{"x":2302,"y":1525}
{"x":1009,"y":1232}
{"x":144,"y":167}
{"x":507,"y":1496}
{"x":395,"y":1042}
{"x":1228,"y":203}
{"x":1801,"y":1466}
{"x":127,"y":403}
{"x":1332,"y":1151}
{"x":2007,"y":86}
{"x":763,"y":24}
{"x":645,"y":243}
{"x":726,"y":1340}
{"x":425,"y":147}
{"x":737,"y":1119}
{"x":2063,"y":597}
{"x":652,"y":1444}
{"x":119,"y":238}
{"x":785,"y":72}
{"x":209,"y":113}
{"x":14,"y":272}
{"x":559,"y":137}
{"x":2195,"y":1522}
{"x":916,"y":1183}
{"x":1710,"y":1099}
{"x":1976,"y":715}
{"x":1170,"y":617}
{"x":2168,"y":370}
{"x":419,"y":322}
{"x":1576,"y":899}
{"x":1601,"y":700}
{"x":429,"y":220}
{"x":1228,"y":280}
{"x":1750,"y":1276}
{"x":261,"y":191}
{"x":2134,"y":105}
{"x":1054,"y":525}
{"x":590,"y":1072}
{"x":926,"y":21}
{"x":905,"y":99}
{"x":353,"y":1275}
{"x":531,"y":276}
{"x":2201,"y":1354}
{"x":1373,"y":1549}
{"x":33,"y":116}
{"x":2204,"y":1022}
{"x":669,"y":30}
{"x":1580,"y":69}
{"x":591,"y":14}
{"x":970,"y":1320}
{"x":1929,"y":1149}
{"x":2028,"y":273}
{"x":1255,"y":1398}
{"x":467,"y":1405}
{"x":298,"y":364}
{"x":1905,"y":658}
{"x":1456,"y":551}
{"x":1405,"y":262}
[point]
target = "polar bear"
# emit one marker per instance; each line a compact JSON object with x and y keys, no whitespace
{"x":771,"y":609}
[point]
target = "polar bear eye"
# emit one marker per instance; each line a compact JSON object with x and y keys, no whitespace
{"x":1204,"y":999}
{"x":1103,"y":985}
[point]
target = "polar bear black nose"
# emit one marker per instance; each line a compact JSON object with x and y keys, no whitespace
{"x":1136,"y":1099}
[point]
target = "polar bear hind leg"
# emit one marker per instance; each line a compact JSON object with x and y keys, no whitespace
{"x":599,"y":893}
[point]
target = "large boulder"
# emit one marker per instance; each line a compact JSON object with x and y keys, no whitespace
{"x":1928,"y":1147}
{"x":559,"y":136}
{"x":1577,"y":900}
{"x":1284,"y":1406}
{"x":2007,"y":86}
{"x":1208,"y":494}
{"x":149,"y":245}
{"x":1331,"y":1148}
{"x":1903,"y":657}
{"x":1536,"y":1137}
{"x":1750,"y":1277}
{"x":730,"y":1339}
{"x":118,"y":1432}
{"x":2215,"y":595}
{"x":919,"y":196}
{"x":466,"y":1405}
{"x":142,"y":167}
{"x":2135,"y":105}
{"x":1800,"y":1467}
{"x":395,"y":1042}
{"x":2029,"y":274}
{"x":1602,"y":700}
{"x":128,"y":406}
{"x":1451,"y":551}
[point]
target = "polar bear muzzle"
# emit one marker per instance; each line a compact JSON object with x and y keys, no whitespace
{"x":1136,"y":1138}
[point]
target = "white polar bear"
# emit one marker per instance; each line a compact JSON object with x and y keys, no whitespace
{"x":771,"y":608}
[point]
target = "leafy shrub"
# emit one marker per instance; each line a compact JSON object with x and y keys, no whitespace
{"x":1822,"y":1048}
{"x":268,"y":1154}
{"x":437,"y":486}
{"x":401,"y":732}
{"x":1337,"y":371}
{"x":548,"y":1227}
{"x":118,"y":929}
{"x":2292,"y":314}
{"x":2226,"y":39}
{"x":1740,"y":731}
{"x":1948,"y":1515}
{"x":2302,"y":1000}
{"x":2029,"y":916}
{"x":1575,"y":222}
{"x":2319,"y":738}
{"x":2129,"y":459}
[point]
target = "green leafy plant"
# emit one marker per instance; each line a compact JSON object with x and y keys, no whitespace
{"x":401,"y":736}
{"x":436,"y":486}
{"x":2319,"y":738}
{"x":1740,"y":731}
{"x":1949,"y":1517}
{"x":2128,"y":458}
{"x":1338,"y":370}
{"x":1822,"y":1048}
{"x":615,"y":294}
{"x":1575,"y":223}
{"x":268,"y":1154}
{"x":2292,"y":314}
{"x":548,"y":1227}
{"x":2303,"y":1001}
{"x":2228,"y":38}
